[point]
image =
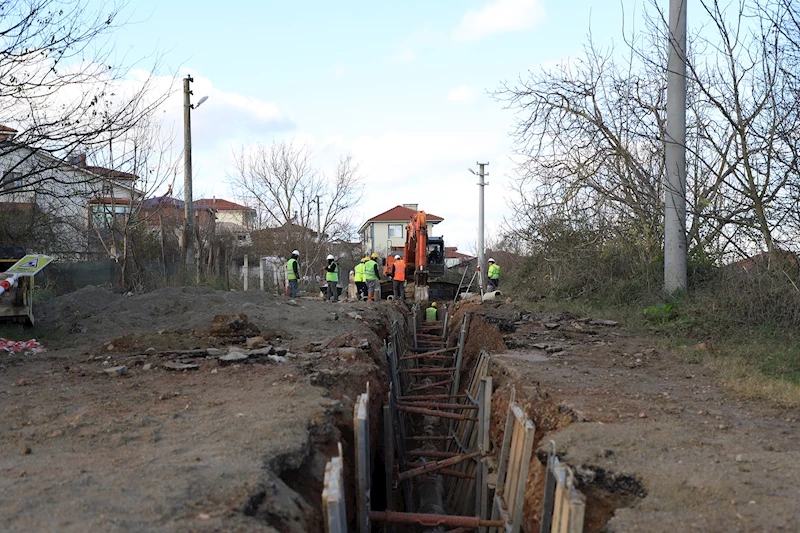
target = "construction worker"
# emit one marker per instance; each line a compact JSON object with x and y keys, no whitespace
{"x":431,"y":313}
{"x":372,"y":276}
{"x":493,"y":276}
{"x":399,"y":278}
{"x":332,"y":277}
{"x":293,"y":273}
{"x":361,"y":285}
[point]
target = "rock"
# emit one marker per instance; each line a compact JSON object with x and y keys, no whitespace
{"x":541,"y":346}
{"x":602,"y":322}
{"x":293,"y":303}
{"x":174,"y":365}
{"x":233,"y":357}
{"x":281,"y":351}
{"x":554,"y":349}
{"x":252,"y":342}
{"x":110,"y":347}
{"x":78,"y":328}
{"x":116,"y":370}
{"x":551,"y":325}
{"x":353,"y":314}
{"x":266,"y":350}
{"x":348,"y":352}
{"x":22,"y":382}
{"x":364,"y":344}
{"x":25,"y":450}
{"x":214,"y":352}
{"x":150,"y":349}
{"x":147,"y":366}
{"x":741,"y":458}
{"x":642,"y":414}
{"x":332,"y":316}
{"x":276,"y":358}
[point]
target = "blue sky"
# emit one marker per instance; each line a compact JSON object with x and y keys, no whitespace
{"x":401,"y":86}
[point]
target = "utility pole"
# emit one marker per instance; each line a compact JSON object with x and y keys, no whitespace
{"x":481,"y":252}
{"x":675,"y":191}
{"x":188,"y":212}
{"x":319,"y":223}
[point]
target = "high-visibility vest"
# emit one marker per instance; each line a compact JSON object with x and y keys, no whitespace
{"x":430,"y":314}
{"x":332,"y":276}
{"x":399,"y":270}
{"x":494,"y":271}
{"x":290,"y":269}
{"x":369,"y":270}
{"x":359,"y":270}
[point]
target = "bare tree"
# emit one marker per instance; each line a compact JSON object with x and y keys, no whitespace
{"x":592,"y":136}
{"x":305,"y":206}
{"x":63,"y":89}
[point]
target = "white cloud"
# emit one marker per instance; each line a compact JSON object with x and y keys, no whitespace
{"x":498,"y":16}
{"x":462,"y":94}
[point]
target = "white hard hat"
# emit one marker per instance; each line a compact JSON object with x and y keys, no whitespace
{"x":296,"y":252}
{"x":491,"y":259}
{"x":330,"y":256}
{"x":397,"y":257}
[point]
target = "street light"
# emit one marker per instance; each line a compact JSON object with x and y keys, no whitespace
{"x":188,"y":211}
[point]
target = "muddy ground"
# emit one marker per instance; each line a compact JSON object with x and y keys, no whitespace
{"x":223,"y":447}
{"x":241,"y":445}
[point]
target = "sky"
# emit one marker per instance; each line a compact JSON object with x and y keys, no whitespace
{"x":404,"y":87}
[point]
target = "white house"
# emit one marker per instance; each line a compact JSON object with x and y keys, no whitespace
{"x":386,"y":232}
{"x":70,"y":196}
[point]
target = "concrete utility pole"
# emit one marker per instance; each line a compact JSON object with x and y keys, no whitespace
{"x":675,"y":191}
{"x":188,"y":213}
{"x":481,"y":251}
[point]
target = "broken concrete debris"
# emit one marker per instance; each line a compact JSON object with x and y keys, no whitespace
{"x":116,"y":370}
{"x":175,"y":365}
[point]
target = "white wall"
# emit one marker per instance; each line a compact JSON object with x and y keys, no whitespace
{"x":382,"y":243}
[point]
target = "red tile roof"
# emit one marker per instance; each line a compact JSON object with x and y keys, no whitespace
{"x":400,"y":214}
{"x":451,"y":252}
{"x":221,"y":205}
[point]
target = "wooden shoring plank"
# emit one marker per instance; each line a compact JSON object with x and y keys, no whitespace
{"x":519,"y":499}
{"x":388,"y":458}
{"x":481,"y":484}
{"x":361,"y":425}
{"x":333,"y":496}
{"x":549,"y":492}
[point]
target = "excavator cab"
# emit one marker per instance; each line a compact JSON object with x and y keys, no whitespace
{"x":435,"y":258}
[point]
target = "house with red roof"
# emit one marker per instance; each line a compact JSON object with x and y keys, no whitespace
{"x":386,"y":232}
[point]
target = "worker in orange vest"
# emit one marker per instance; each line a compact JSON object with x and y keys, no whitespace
{"x":399,"y":278}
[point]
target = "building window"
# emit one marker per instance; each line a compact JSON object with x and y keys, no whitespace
{"x":395,"y":231}
{"x":12,"y":180}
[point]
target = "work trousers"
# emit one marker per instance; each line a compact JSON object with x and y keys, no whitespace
{"x":333,"y":291}
{"x":399,"y":289}
{"x":372,"y":284}
{"x":293,"y":288}
{"x":492,"y":284}
{"x":361,"y":289}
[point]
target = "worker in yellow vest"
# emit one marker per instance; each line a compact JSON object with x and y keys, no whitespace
{"x":431,"y":313}
{"x":360,"y":280}
{"x":293,"y":273}
{"x":399,"y":278}
{"x":371,"y":276}
{"x":493,"y":276}
{"x":332,"y":277}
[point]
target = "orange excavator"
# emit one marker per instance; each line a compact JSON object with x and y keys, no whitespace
{"x":423,"y":255}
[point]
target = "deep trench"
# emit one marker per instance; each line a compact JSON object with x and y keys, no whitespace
{"x":302,"y":475}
